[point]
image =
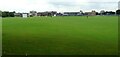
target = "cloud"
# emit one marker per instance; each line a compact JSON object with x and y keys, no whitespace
{"x":57,"y":5}
{"x":86,"y":5}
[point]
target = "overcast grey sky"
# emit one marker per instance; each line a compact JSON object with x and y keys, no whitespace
{"x":58,"y":5}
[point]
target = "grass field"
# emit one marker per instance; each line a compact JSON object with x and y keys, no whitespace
{"x":96,"y":35}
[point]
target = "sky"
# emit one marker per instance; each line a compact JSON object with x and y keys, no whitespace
{"x":58,"y":5}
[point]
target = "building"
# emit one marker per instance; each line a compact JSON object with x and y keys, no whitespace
{"x":42,"y":14}
{"x":47,"y":13}
{"x":93,"y":13}
{"x":25,"y":15}
{"x":18,"y":14}
{"x":110,"y":13}
{"x":59,"y":14}
{"x":72,"y":14}
{"x":33,"y":13}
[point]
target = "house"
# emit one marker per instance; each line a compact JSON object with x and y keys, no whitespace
{"x":93,"y":13}
{"x":41,"y":14}
{"x":47,"y":13}
{"x":33,"y":13}
{"x":18,"y":14}
{"x":24,"y":15}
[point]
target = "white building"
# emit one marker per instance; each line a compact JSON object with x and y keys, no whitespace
{"x":24,"y":15}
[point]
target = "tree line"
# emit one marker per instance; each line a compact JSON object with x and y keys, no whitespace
{"x":102,"y":12}
{"x":7,"y":14}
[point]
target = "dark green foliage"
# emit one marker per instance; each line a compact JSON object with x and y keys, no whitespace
{"x":118,"y":12}
{"x":0,"y":13}
{"x":8,"y":14}
{"x":11,"y":14}
{"x":5,"y":14}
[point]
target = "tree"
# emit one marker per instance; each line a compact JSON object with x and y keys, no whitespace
{"x":0,"y":13}
{"x":11,"y":14}
{"x":53,"y":13}
{"x":102,"y":12}
{"x":5,"y":14}
{"x":34,"y":13}
{"x":8,"y":14}
{"x":97,"y":13}
{"x":81,"y":12}
{"x":110,"y":13}
{"x":118,"y":12}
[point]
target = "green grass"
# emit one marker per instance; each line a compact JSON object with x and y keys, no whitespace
{"x":97,"y":35}
{"x":0,"y":36}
